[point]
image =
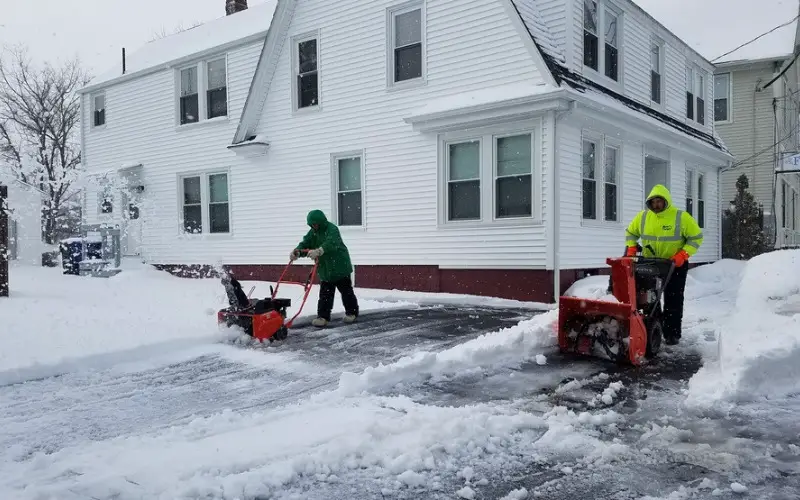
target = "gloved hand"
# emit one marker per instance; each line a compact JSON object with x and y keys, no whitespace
{"x":631,"y":252}
{"x":294,"y":255}
{"x":680,"y":258}
{"x":315,"y":254}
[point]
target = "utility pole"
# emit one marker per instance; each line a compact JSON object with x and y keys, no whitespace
{"x":4,"y":287}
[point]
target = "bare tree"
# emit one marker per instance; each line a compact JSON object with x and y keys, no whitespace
{"x":39,"y":128}
{"x":162,"y":32}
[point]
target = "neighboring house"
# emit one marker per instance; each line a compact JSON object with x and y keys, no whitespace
{"x":25,"y":202}
{"x":756,"y":111}
{"x":494,"y":147}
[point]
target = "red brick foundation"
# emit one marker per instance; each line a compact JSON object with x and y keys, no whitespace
{"x":524,"y":285}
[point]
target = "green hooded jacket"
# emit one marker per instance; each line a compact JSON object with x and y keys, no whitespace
{"x":667,"y":232}
{"x":334,"y":264}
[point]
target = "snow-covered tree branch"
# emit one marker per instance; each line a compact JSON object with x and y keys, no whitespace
{"x":39,"y":128}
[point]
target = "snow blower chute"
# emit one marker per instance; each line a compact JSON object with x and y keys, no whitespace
{"x":626,"y":331}
{"x":262,"y":319}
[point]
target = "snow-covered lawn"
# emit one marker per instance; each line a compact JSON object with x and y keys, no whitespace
{"x":367,"y":427}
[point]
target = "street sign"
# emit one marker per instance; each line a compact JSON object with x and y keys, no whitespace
{"x":791,"y":163}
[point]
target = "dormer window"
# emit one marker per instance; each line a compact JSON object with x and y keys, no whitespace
{"x":597,"y":15}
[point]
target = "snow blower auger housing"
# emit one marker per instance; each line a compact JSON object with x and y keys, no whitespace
{"x":262,"y":319}
{"x":627,"y":331}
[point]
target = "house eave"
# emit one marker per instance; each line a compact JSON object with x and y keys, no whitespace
{"x":488,"y":114}
{"x":173,"y":62}
{"x":649,"y":129}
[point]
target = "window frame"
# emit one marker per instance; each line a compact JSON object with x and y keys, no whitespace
{"x":106,"y":193}
{"x":294,"y":71}
{"x":600,"y":72}
{"x":205,"y":203}
{"x":208,"y":86}
{"x":698,"y":85}
{"x":691,"y":189}
{"x":334,"y":165}
{"x":391,"y":13}
{"x":658,"y":44}
{"x":601,"y":142}
{"x":728,"y":98}
{"x":487,"y":139}
{"x":700,"y":198}
{"x":201,"y":70}
{"x":94,"y":97}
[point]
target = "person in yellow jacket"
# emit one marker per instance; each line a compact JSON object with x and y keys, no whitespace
{"x":666,"y":233}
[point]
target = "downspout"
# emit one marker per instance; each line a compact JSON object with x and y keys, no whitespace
{"x":555,"y":217}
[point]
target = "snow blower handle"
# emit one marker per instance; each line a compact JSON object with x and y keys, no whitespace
{"x":663,"y":287}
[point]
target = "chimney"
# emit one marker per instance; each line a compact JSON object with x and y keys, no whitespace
{"x":234,"y":6}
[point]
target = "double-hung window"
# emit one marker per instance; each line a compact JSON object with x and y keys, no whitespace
{"x":695,"y":95}
{"x":656,"y":72}
{"x":349,"y":189}
{"x":406,"y":36}
{"x":203,"y":91}
{"x":205,"y":203}
{"x":490,"y":178}
{"x":701,"y":204}
{"x":600,"y":179}
{"x":305,"y":82}
{"x":601,"y":38}
{"x":99,"y":110}
{"x":690,"y":191}
{"x":722,"y":97}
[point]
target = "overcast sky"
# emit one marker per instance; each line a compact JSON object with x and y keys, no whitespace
{"x":96,"y":30}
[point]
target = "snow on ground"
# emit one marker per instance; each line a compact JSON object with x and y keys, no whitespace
{"x":759,"y":341}
{"x":241,"y":449}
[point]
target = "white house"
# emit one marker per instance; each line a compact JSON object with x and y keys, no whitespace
{"x":494,"y":147}
{"x":24,"y":204}
{"x":757,"y":106}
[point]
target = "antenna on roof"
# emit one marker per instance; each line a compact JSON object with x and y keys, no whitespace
{"x":123,"y":60}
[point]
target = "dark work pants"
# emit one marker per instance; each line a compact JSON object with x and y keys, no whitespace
{"x":328,"y":291}
{"x":673,"y":302}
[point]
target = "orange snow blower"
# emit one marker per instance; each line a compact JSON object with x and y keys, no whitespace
{"x":627,"y":331}
{"x":263,"y":319}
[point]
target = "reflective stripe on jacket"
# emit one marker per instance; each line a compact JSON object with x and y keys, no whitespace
{"x":667,"y":232}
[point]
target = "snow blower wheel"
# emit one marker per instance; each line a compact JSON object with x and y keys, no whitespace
{"x":627,"y":331}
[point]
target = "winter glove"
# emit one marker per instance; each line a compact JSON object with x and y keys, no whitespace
{"x":315,"y":254}
{"x":294,"y":255}
{"x":631,"y":252}
{"x":680,"y":258}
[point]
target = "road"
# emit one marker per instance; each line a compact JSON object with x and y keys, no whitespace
{"x":670,"y":449}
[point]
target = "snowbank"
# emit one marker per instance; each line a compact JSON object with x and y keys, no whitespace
{"x":759,"y":350}
{"x":54,"y":323}
{"x":507,"y":347}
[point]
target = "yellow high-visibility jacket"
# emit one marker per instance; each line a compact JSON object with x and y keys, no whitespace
{"x":667,"y":232}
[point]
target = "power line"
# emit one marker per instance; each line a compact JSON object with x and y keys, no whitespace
{"x":745,"y":44}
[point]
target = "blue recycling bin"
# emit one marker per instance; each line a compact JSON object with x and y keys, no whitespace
{"x":72,"y":253}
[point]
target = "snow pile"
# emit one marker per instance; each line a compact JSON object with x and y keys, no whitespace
{"x":592,"y":287}
{"x":232,"y":455}
{"x":759,"y":352}
{"x":91,"y":322}
{"x":508,"y":347}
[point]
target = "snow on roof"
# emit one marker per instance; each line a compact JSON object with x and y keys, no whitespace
{"x":529,"y":12}
{"x":224,"y":30}
{"x":482,"y":97}
{"x":714,"y":27}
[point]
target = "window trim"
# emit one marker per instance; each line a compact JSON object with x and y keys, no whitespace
{"x":391,"y":13}
{"x":602,"y":141}
{"x":334,"y":165}
{"x":729,"y":76}
{"x":294,"y":69}
{"x":205,"y":197}
{"x":488,"y":135}
{"x":700,"y":196}
{"x":696,"y":73}
{"x":94,"y":97}
{"x":202,"y":86}
{"x":657,"y":43}
{"x":600,"y":72}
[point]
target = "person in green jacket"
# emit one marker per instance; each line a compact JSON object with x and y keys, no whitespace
{"x":666,"y":233}
{"x":324,"y":244}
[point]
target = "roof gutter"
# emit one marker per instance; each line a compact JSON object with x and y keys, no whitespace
{"x":174,"y":62}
